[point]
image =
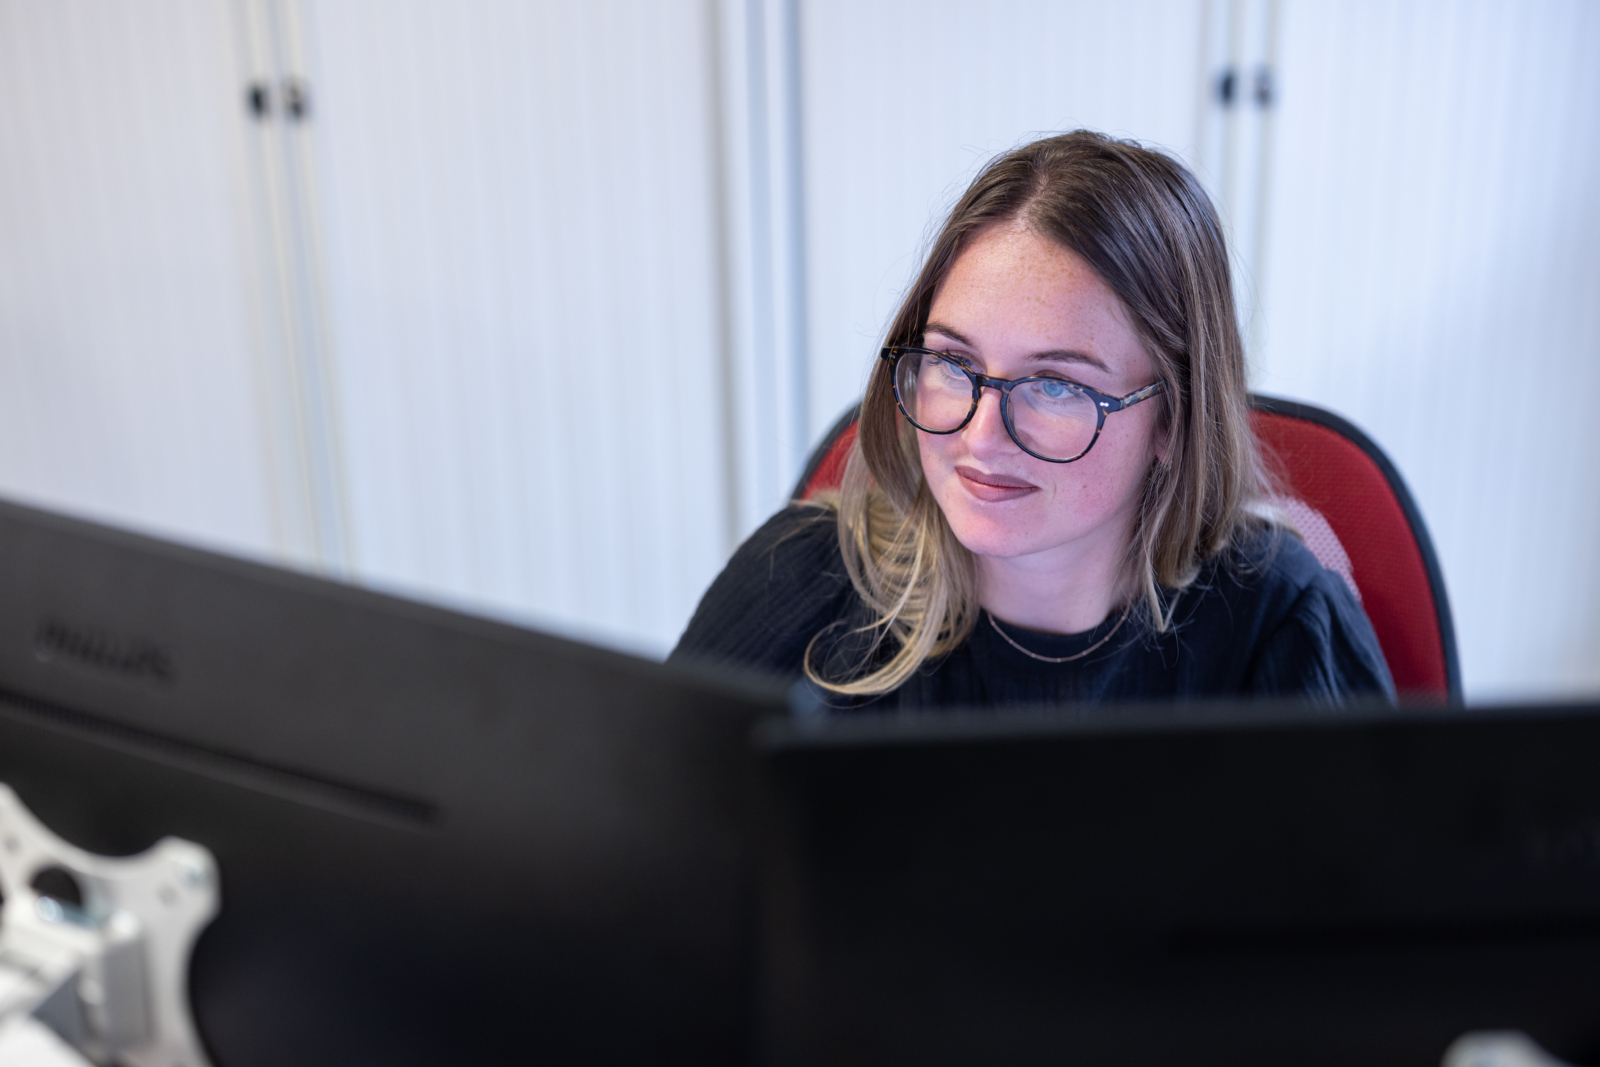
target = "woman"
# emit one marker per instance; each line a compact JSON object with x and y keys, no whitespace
{"x":1055,"y":494}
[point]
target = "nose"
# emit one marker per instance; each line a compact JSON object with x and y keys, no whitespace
{"x":986,"y":434}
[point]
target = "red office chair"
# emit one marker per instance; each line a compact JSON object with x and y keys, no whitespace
{"x":1357,"y":517}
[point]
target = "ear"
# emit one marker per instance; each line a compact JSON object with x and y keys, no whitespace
{"x":1161,"y":441}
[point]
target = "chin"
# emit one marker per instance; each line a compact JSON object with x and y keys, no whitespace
{"x":988,"y":536}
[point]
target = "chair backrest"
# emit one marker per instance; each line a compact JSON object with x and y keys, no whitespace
{"x":825,"y":469}
{"x":1357,"y":516}
{"x":1339,"y":472}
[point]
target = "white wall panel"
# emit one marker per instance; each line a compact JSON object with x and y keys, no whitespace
{"x":129,"y":376}
{"x":522,"y":252}
{"x":903,"y":100}
{"x":1432,"y":275}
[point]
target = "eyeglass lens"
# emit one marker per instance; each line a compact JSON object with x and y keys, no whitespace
{"x":1052,"y":419}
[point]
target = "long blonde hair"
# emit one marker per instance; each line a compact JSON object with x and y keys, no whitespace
{"x":1145,"y":225}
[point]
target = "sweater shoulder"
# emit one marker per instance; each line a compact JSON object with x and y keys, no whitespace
{"x":1311,"y":636}
{"x":784,"y":584}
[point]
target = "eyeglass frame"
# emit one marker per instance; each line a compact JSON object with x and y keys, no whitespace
{"x":1104,"y":403}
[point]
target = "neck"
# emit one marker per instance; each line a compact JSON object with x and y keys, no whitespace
{"x":1057,"y":592}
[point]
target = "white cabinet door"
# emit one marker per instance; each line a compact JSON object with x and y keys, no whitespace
{"x":131,"y":382}
{"x":517,"y":207}
{"x":1431,"y":274}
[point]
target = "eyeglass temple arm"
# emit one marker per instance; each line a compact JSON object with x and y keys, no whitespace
{"x":1134,"y":397}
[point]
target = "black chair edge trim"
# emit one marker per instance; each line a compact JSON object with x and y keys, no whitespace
{"x":819,"y":453}
{"x":1349,"y":431}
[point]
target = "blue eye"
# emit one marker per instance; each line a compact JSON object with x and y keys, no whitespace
{"x":1053,"y":389}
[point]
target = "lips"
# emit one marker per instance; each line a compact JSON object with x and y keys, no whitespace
{"x":993,"y":488}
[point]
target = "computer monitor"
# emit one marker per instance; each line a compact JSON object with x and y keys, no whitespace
{"x":446,"y":840}
{"x":1232,"y":884}
{"x":440,"y":839}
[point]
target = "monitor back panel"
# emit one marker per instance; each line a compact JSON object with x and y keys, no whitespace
{"x":440,"y":839}
{"x":1239,"y":886}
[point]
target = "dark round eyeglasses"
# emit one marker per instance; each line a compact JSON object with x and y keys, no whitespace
{"x":1053,"y":419}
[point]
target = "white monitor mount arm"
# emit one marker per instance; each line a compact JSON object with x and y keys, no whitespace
{"x":105,"y":982}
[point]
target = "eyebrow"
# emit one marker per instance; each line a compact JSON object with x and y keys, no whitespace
{"x":1053,"y":355}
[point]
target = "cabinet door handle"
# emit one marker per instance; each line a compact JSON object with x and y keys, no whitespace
{"x":258,"y":98}
{"x":296,"y":99}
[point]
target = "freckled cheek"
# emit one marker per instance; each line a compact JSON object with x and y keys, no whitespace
{"x":1088,"y":489}
{"x":1076,"y":484}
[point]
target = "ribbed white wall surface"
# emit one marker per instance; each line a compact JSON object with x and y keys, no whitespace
{"x":130,"y":380}
{"x":1432,"y":275}
{"x":521,"y":233}
{"x":904,"y":99}
{"x":761,"y":199}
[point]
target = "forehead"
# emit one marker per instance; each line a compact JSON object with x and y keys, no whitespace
{"x":1012,"y":291}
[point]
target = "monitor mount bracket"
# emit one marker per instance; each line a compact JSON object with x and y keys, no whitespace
{"x":103,"y":979}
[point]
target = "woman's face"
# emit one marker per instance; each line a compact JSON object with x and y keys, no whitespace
{"x":1016,"y":305}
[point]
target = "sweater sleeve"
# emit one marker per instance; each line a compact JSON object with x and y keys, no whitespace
{"x":781,"y":588}
{"x":1324,"y":650}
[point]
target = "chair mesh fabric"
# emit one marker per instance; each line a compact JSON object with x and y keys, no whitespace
{"x":1319,"y":538}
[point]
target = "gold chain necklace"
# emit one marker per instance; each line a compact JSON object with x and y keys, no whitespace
{"x":1058,"y":659}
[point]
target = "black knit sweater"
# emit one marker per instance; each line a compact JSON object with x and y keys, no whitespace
{"x":1265,"y":620}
